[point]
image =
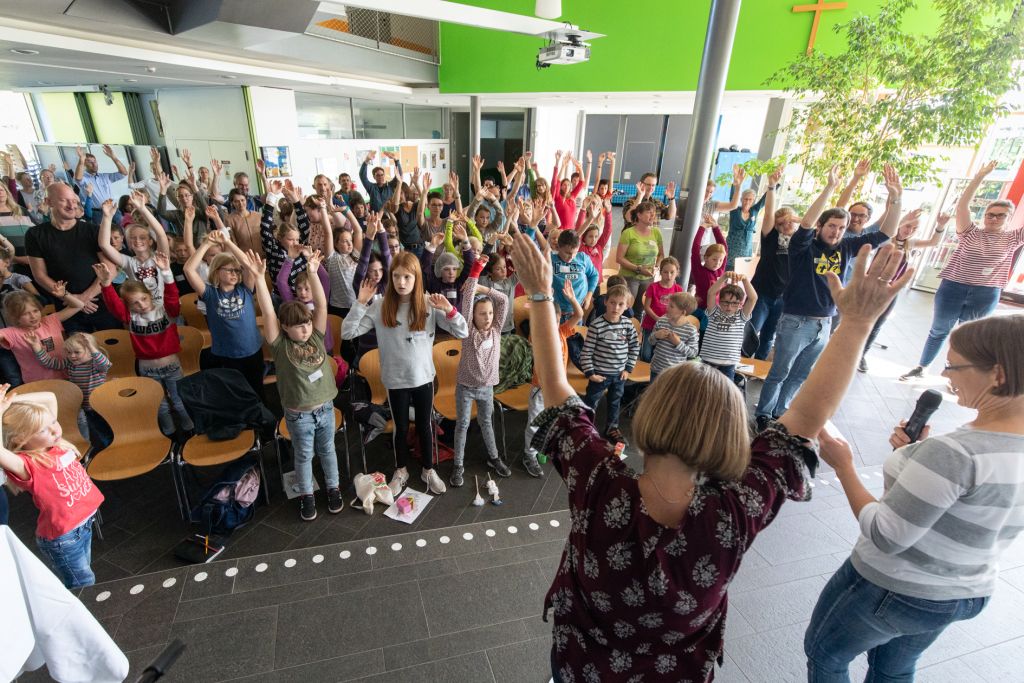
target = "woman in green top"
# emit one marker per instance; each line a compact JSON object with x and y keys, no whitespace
{"x":639,"y":250}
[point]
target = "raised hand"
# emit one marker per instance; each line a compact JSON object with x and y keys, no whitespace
{"x":640,"y":190}
{"x":108,"y":208}
{"x":162,"y":261}
{"x":533,"y":264}
{"x":190,"y":214}
{"x":439,"y":302}
{"x":501,"y":166}
{"x":862,"y":168}
{"x":215,"y":237}
{"x":164,"y":181}
{"x":986,"y":169}
{"x":154,"y":155}
{"x":186,"y":156}
{"x":366,"y":292}
{"x":216,"y":167}
{"x":670,"y":189}
{"x":370,"y":157}
{"x":776,"y":175}
{"x":314,"y":260}
{"x":372,"y":225}
{"x":261,"y":167}
{"x":88,"y":189}
{"x":212,"y":213}
{"x":79,"y":150}
{"x":437,"y":239}
{"x":738,"y":174}
{"x":427,"y":180}
{"x":589,"y":156}
{"x":459,"y":231}
{"x":870,"y":291}
{"x":941,"y":220}
{"x":276,"y":187}
{"x":568,"y":291}
{"x":33,"y":340}
{"x":103,"y":274}
{"x":137,"y":200}
{"x":892,"y":180}
{"x":108,"y":151}
{"x":833,"y":177}
{"x":477,"y":162}
{"x":290,"y":191}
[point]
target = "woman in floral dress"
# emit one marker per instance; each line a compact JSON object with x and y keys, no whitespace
{"x":640,"y":594}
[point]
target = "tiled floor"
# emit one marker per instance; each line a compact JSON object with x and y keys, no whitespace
{"x":457,"y":596}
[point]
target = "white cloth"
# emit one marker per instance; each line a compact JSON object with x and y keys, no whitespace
{"x":43,"y":623}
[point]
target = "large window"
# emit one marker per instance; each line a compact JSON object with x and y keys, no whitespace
{"x":323,"y":117}
{"x":377,"y":119}
{"x":424,"y":122}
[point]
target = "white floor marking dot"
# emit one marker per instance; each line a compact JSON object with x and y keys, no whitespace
{"x":534,"y":526}
{"x":396,"y":546}
{"x":136,"y":589}
{"x":468,"y":536}
{"x":444,"y":539}
{"x":490,"y":533}
{"x":554,"y":522}
{"x":200,"y":577}
{"x":512,"y":530}
{"x":231,"y":571}
{"x":290,"y":562}
{"x":372,"y":550}
{"x":317,"y":559}
{"x":420,"y":542}
{"x":261,"y":567}
{"x":100,"y":597}
{"x":169,"y":582}
{"x":344,"y":554}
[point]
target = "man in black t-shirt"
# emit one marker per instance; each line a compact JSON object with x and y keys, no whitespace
{"x":807,"y":307}
{"x":65,"y":248}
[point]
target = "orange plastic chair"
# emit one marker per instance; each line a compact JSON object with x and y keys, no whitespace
{"x":201,"y":451}
{"x":334,"y":325}
{"x":446,"y":365}
{"x":520,"y":312}
{"x":69,"y":402}
{"x":129,"y":405}
{"x":118,"y":345}
{"x":194,"y":318}
{"x":191,"y":346}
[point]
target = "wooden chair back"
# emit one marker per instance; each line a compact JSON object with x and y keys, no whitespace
{"x":118,"y":345}
{"x":191,"y":312}
{"x":520,"y":312}
{"x":191,"y":346}
{"x":369,"y":369}
{"x":446,"y":364}
{"x":69,"y":402}
{"x":129,"y":405}
{"x":334,"y":325}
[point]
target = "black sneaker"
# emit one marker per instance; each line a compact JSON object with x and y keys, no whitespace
{"x":916,"y":373}
{"x":456,"y":479}
{"x":499,"y":466}
{"x":532,"y":467}
{"x":862,"y":366}
{"x":334,"y":502}
{"x":307,"y":507}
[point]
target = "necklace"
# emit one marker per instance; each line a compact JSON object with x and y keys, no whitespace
{"x":689,"y":494}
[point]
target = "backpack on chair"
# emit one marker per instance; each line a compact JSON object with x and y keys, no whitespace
{"x":230,"y":502}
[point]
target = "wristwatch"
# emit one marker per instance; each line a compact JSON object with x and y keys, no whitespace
{"x":540,"y":297}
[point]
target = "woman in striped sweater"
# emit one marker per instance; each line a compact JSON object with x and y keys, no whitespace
{"x":929,"y":550}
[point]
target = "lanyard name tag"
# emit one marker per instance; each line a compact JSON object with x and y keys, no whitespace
{"x":316,"y":375}
{"x":564,"y":269}
{"x":179,"y":278}
{"x":487,"y":343}
{"x":451,"y":294}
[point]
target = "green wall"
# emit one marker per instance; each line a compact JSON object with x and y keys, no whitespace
{"x":110,"y":121}
{"x":62,"y":113}
{"x":649,"y":46}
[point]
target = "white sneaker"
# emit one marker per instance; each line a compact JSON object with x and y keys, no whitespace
{"x":433,"y":481}
{"x":398,"y":480}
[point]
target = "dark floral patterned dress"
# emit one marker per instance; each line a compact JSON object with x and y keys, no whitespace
{"x":637,"y":601}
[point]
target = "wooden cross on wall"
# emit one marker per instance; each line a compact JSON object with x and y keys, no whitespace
{"x":818,"y":8}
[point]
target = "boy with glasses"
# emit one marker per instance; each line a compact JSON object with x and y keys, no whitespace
{"x":727,"y":321}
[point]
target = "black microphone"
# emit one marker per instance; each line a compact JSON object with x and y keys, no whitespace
{"x":926,"y":406}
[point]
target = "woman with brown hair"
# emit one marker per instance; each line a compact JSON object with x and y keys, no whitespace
{"x":641,"y":591}
{"x":405,"y":320}
{"x":929,"y":549}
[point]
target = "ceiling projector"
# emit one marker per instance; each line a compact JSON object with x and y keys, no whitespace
{"x":564,"y":47}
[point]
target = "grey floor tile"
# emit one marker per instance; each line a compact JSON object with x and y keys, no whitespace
{"x":779,"y":605}
{"x":758,"y":577}
{"x":471,"y":668}
{"x":531,"y":529}
{"x":777,"y":656}
{"x":189,"y":610}
{"x":305,"y":564}
{"x":334,"y":670}
{"x":226,"y":646}
{"x":730,"y":673}
{"x":347,"y":623}
{"x":149,"y":622}
{"x":841,"y":521}
{"x":1001,"y":620}
{"x":394,"y":576}
{"x":209,"y":580}
{"x":999,"y":663}
{"x":797,"y":538}
{"x":950,"y":671}
{"x":483,"y":597}
{"x":529,"y":660}
{"x":450,"y":645}
{"x":736,"y":625}
{"x":496,"y":558}
{"x":123,"y":595}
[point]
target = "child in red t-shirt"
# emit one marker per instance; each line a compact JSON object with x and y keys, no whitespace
{"x":656,"y":301}
{"x":38,"y":460}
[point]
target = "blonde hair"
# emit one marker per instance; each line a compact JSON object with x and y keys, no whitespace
{"x":684,"y":301}
{"x":23,"y":419}
{"x":15,"y":304}
{"x":219,"y":261}
{"x":669,"y":261}
{"x":134,"y":287}
{"x":85,"y":342}
{"x":710,"y":436}
{"x":617,"y":291}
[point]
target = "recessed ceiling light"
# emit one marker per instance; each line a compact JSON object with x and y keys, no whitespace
{"x":43,"y":83}
{"x":228,"y":77}
{"x":21,"y":51}
{"x":129,"y":80}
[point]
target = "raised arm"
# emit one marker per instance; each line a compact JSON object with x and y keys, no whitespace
{"x":818,"y":205}
{"x":936,"y":236}
{"x":109,"y":151}
{"x":751,"y":293}
{"x":80,"y":166}
{"x":138,"y":202}
{"x":319,"y":297}
{"x":106,"y":248}
{"x":191,"y":267}
{"x":860,"y":304}
{"x":474,"y":177}
{"x":768,"y":220}
{"x":964,"y":220}
{"x":738,"y":174}
{"x":271,"y":327}
{"x":859,"y":171}
{"x":364,"y":177}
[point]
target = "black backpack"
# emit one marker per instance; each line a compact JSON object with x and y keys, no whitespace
{"x":220,"y":512}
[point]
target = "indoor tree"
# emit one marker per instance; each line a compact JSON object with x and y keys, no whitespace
{"x":892,"y":91}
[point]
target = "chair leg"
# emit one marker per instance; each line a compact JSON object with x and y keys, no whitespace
{"x":97,"y":525}
{"x":258,"y":448}
{"x":501,"y":418}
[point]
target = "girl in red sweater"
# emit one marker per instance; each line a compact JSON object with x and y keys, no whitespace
{"x":153,"y":333}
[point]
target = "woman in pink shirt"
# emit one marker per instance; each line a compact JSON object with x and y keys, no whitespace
{"x":565,"y":198}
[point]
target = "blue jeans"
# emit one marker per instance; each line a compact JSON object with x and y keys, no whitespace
{"x":800,"y":341}
{"x":614,"y":386}
{"x":464,"y":397}
{"x":70,"y":555}
{"x":955,"y":302}
{"x":765,"y":318}
{"x":727,"y":370}
{"x":168,"y":376}
{"x":854,"y":615}
{"x":312,"y":431}
{"x":647,"y":346}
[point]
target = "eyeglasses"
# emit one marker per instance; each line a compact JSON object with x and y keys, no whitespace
{"x":995,"y":216}
{"x":729,"y":302}
{"x":865,"y":216}
{"x":951,"y":368}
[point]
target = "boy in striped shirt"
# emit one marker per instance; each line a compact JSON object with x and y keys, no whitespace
{"x":609,"y":354}
{"x":723,"y":337}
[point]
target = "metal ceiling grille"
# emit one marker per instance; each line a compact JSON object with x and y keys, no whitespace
{"x":396,"y":34}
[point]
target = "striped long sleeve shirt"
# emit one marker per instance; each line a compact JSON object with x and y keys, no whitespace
{"x":86,"y":376}
{"x":610,"y":347}
{"x":276,"y":254}
{"x":667,"y":354}
{"x":952,"y":506}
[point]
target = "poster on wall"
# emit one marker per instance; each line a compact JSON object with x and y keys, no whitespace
{"x":433,"y":159}
{"x":407,"y":156}
{"x":442,"y":154}
{"x":277,"y":161}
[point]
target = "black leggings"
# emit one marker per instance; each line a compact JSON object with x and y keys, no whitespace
{"x":422,"y":400}
{"x":251,"y":368}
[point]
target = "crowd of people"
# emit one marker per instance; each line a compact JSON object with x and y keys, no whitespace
{"x":642,"y":587}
